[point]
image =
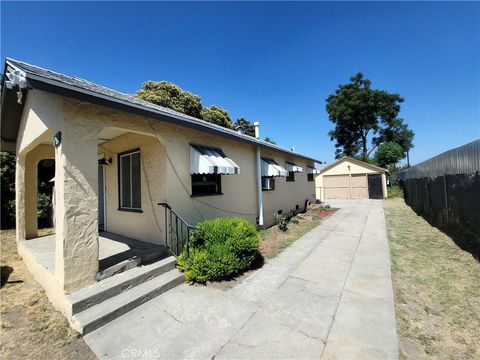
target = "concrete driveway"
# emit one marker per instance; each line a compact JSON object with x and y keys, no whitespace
{"x":328,"y":296}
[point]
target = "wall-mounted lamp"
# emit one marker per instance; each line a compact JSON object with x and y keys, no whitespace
{"x":57,"y":139}
{"x":104,"y":161}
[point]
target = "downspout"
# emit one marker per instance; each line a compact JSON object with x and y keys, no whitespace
{"x":259,"y":176}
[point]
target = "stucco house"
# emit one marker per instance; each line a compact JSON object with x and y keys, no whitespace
{"x":349,"y":178}
{"x":132,"y":169}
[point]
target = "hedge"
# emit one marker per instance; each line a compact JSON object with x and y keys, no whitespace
{"x":219,"y":249}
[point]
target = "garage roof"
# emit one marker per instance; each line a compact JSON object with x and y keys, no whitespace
{"x":355,"y":161}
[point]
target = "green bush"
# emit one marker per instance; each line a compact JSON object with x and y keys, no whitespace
{"x":219,"y":248}
{"x":395,"y":191}
{"x":282,"y":222}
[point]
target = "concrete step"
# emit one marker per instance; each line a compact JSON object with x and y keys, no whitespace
{"x":108,"y":310}
{"x":103,"y":290}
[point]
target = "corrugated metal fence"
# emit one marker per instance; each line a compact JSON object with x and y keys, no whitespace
{"x":462,"y":160}
{"x":446,"y":190}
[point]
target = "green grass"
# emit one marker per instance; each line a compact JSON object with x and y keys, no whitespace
{"x":437,"y":286}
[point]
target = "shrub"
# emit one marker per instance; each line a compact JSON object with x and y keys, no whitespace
{"x":219,"y":248}
{"x":282,"y":222}
{"x":395,"y":192}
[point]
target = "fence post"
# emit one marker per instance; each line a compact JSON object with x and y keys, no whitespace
{"x":446,"y":193}
{"x":427,"y":204}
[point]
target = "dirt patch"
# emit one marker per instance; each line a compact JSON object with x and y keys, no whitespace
{"x":437,"y":289}
{"x":30,"y":326}
{"x":273,"y":240}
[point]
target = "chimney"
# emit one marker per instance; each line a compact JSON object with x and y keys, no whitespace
{"x":257,"y":129}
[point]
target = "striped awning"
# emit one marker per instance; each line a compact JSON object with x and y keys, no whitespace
{"x":207,"y":160}
{"x":312,"y":170}
{"x":271,"y":168}
{"x":292,"y":167}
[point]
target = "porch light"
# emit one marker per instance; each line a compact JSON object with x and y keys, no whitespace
{"x":105,"y":162}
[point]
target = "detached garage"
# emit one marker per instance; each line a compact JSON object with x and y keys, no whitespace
{"x":349,"y":178}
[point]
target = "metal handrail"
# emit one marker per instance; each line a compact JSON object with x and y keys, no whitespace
{"x":175,"y":230}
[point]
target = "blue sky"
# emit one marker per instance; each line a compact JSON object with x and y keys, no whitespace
{"x":271,"y":62}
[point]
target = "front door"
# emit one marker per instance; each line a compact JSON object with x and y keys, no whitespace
{"x":375,"y":190}
{"x":101,"y":197}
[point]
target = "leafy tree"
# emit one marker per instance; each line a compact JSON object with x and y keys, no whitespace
{"x":388,"y":154}
{"x":7,"y":181}
{"x":248,"y":127}
{"x":171,"y":96}
{"x":399,"y":133}
{"x":217,"y":115}
{"x":359,"y":113}
{"x":271,"y":141}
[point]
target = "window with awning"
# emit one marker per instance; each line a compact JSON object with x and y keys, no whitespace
{"x":271,"y":168}
{"x":311,"y":171}
{"x":291,"y":167}
{"x":209,"y":160}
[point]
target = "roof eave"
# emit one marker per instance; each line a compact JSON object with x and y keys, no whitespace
{"x":60,"y":88}
{"x":361,"y":163}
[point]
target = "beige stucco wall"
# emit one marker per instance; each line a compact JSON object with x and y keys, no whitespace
{"x":141,"y":226}
{"x":165,"y":175}
{"x":343,"y":169}
{"x":165,"y":178}
{"x":42,"y":116}
{"x":287,"y":194}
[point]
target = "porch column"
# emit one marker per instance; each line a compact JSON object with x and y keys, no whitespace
{"x":31,"y":189}
{"x":76,"y":208}
{"x":20,"y":197}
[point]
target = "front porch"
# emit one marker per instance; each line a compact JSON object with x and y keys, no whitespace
{"x":113,"y":250}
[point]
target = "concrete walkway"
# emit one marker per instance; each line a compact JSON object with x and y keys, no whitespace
{"x":328,"y":296}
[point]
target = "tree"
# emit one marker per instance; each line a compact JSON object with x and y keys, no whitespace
{"x":247,"y":126}
{"x":271,"y":141}
{"x":7,"y":182}
{"x":359,"y":112}
{"x":171,"y":96}
{"x":217,"y":115}
{"x":388,"y":154}
{"x":399,"y":133}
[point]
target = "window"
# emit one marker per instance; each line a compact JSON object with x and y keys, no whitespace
{"x":291,"y":176}
{"x":309,"y":177}
{"x":129,"y":180}
{"x":268,"y":183}
{"x":206,"y":184}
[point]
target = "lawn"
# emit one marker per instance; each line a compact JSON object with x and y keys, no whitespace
{"x":30,"y":327}
{"x":437,"y":289}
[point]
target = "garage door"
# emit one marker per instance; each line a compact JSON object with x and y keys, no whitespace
{"x":338,"y":186}
{"x":359,"y":186}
